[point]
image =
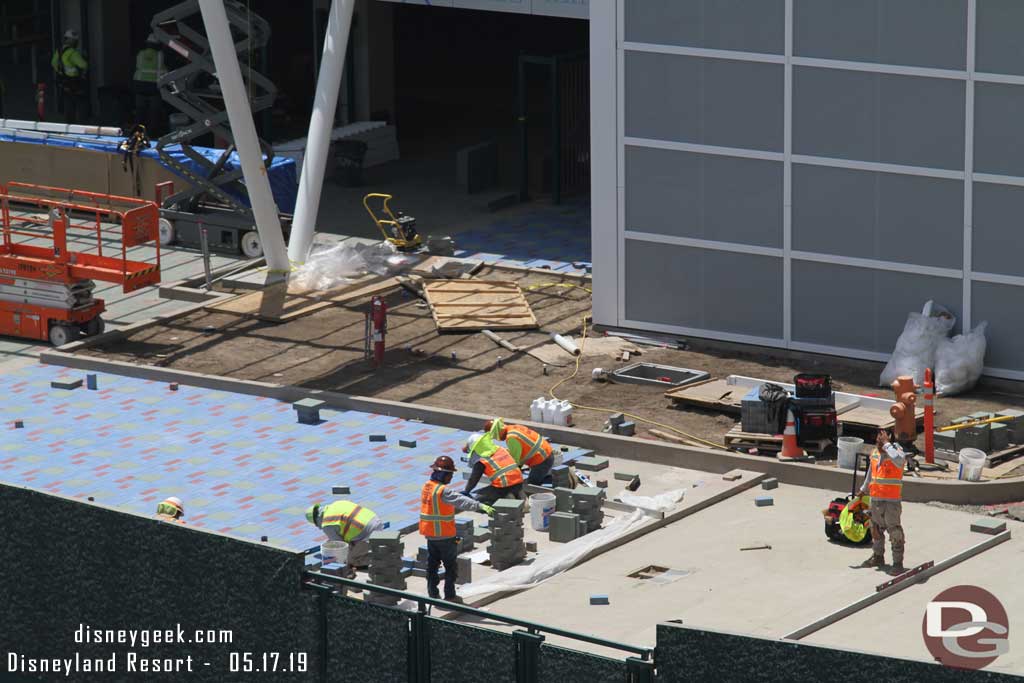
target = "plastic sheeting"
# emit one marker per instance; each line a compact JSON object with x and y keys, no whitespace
{"x":553,"y":563}
{"x":917,"y":344}
{"x":283,"y":173}
{"x":330,"y":267}
{"x":959,"y":361}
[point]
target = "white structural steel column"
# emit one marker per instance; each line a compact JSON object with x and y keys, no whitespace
{"x":243,"y":129}
{"x":321,"y":123}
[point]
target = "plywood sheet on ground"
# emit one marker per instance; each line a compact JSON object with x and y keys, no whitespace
{"x":281,"y":302}
{"x":474,"y":305}
{"x":718,"y":394}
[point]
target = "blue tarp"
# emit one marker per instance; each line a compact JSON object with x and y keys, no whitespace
{"x":283,"y":174}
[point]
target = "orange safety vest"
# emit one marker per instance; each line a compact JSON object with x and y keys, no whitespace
{"x":437,"y":518}
{"x":527,"y":446}
{"x":886,"y":478}
{"x":501,"y":468}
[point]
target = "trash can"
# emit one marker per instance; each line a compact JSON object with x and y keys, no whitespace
{"x":350,"y":155}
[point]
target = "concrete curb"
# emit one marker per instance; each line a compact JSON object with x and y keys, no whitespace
{"x":629,"y":448}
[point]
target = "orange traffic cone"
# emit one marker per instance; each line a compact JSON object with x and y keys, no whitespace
{"x":790,"y":449}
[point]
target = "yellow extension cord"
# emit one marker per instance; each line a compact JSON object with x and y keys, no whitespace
{"x":636,"y":418}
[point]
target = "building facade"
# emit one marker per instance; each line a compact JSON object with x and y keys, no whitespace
{"x":803,"y":173}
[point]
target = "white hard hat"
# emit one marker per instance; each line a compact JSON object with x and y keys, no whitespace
{"x":472,"y":440}
{"x":71,"y":34}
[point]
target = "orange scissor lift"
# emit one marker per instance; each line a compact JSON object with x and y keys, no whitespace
{"x":45,"y":288}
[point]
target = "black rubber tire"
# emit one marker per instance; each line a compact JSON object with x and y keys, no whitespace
{"x":94,"y":327}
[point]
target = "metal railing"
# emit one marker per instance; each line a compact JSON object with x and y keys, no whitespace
{"x":638,"y":669}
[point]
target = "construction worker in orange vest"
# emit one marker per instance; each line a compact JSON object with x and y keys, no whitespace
{"x":350,"y":522}
{"x":527,"y":448}
{"x":884,"y":483}
{"x":438,"y":504}
{"x":171,"y":510}
{"x":486,"y":457}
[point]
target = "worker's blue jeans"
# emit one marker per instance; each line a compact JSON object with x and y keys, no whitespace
{"x":539,"y":473}
{"x":446,"y":552}
{"x":488,"y":494}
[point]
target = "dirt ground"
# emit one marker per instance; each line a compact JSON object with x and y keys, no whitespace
{"x":325,"y":351}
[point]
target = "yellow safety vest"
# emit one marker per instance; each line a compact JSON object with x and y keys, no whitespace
{"x":69,"y":63}
{"x":148,"y":66}
{"x":350,"y":518}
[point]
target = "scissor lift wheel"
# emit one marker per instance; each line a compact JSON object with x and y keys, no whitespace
{"x":61,"y":334}
{"x":94,"y":327}
{"x":166,"y":232}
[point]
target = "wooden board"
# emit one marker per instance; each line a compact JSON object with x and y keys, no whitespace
{"x":718,"y":394}
{"x":737,"y":438}
{"x":474,"y":305}
{"x":278,"y":304}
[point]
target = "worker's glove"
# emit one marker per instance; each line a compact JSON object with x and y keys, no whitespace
{"x":487,"y":509}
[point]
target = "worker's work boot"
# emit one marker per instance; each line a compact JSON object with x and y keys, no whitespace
{"x":455,"y":598}
{"x":897,"y":568}
{"x":873,"y":561}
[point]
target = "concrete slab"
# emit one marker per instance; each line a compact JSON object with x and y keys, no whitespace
{"x":995,"y":570}
{"x":768,"y":593}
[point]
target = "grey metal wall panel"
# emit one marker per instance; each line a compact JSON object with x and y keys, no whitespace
{"x":712,"y":290}
{"x":996,"y":236}
{"x":858,"y":308}
{"x":1001,"y":306}
{"x":999,"y":37}
{"x":998,"y":116}
{"x":705,"y":101}
{"x":744,"y":25}
{"x":878,"y":117}
{"x":931,"y":33}
{"x":717,"y":198}
{"x":882,"y":216}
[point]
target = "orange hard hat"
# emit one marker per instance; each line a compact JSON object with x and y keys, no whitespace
{"x":444,"y":464}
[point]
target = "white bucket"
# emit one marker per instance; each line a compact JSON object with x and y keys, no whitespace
{"x":333,"y":552}
{"x":848,"y":447}
{"x":972,"y":461}
{"x":542,"y":505}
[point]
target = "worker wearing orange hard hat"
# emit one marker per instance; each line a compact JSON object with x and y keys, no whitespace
{"x":171,"y":510}
{"x":438,"y":504}
{"x":488,"y":458}
{"x":527,"y":448}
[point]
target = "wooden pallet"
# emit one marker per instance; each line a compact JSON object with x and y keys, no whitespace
{"x":738,"y":439}
{"x":474,"y":305}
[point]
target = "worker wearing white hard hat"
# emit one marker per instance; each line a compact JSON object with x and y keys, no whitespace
{"x":171,"y":509}
{"x":487,"y":458}
{"x":70,"y":66}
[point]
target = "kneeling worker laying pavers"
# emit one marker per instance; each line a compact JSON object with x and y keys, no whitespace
{"x":884,"y":483}
{"x":527,"y":447}
{"x":346,"y":521}
{"x":486,"y":457}
{"x":438,"y":504}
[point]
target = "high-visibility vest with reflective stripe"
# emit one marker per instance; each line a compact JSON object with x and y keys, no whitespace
{"x":886,"y":478}
{"x":69,"y":62}
{"x":147,"y":66}
{"x":351,"y":519}
{"x":502,"y":469}
{"x":437,"y":518}
{"x":527,"y":446}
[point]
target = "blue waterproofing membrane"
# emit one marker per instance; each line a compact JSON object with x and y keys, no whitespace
{"x":241,"y":464}
{"x":555,"y":237}
{"x":283,"y":175}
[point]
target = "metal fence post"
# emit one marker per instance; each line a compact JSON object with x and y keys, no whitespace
{"x":527,"y":655}
{"x":419,"y":646}
{"x":204,"y":243}
{"x":639,"y":670}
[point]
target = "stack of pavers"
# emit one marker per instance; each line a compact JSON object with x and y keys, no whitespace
{"x":586,"y":503}
{"x":990,"y":438}
{"x":506,"y":548}
{"x":386,"y":566}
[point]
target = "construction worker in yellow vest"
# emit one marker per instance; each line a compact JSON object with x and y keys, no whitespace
{"x":884,"y":483}
{"x":350,"y":522}
{"x":527,"y":448}
{"x":70,"y":66}
{"x":149,"y":69}
{"x":487,"y":458}
{"x":438,"y":504}
{"x":171,"y":510}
